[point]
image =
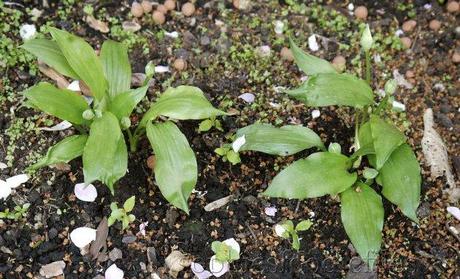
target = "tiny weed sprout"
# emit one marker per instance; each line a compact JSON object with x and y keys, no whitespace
{"x":381,"y":155}
{"x":122,"y":214}
{"x":287,"y":230}
{"x":225,"y":252}
{"x":103,"y":122}
{"x":17,"y":213}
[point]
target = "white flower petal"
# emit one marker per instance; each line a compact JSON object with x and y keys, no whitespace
{"x":74,"y":86}
{"x":279,"y":230}
{"x":217,"y":268}
{"x":82,"y":236}
{"x":113,"y":272}
{"x":232,"y":243}
{"x":27,"y":31}
{"x":247,"y":97}
{"x":5,"y":190}
{"x":238,"y":143}
{"x":399,"y":106}
{"x":199,"y":271}
{"x":142,"y":227}
{"x":17,"y":180}
{"x":312,"y":44}
{"x":270,"y":210}
{"x":87,"y":193}
{"x":279,"y":27}
{"x":455,"y":211}
{"x":399,"y":32}
{"x":161,"y":69}
{"x":64,"y":125}
{"x":3,"y":166}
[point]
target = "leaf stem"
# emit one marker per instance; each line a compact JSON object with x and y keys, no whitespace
{"x":368,"y":67}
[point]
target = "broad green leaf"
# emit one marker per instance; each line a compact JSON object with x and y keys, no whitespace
{"x":283,"y":141}
{"x":303,"y":225}
{"x":123,"y":104}
{"x":129,"y":204}
{"x":334,"y":89}
{"x":117,"y":69}
{"x":317,"y":175}
{"x":62,"y":103}
{"x":386,"y":139}
{"x":310,"y":64}
{"x":49,"y":52}
{"x":362,"y":216}
{"x":104,"y":155}
{"x":83,"y":60}
{"x":63,"y":151}
{"x":366,"y":144}
{"x":182,"y":103}
{"x":176,"y":167}
{"x":400,"y":178}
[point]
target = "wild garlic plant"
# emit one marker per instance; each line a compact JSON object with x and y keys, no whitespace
{"x":382,"y":160}
{"x":101,"y":141}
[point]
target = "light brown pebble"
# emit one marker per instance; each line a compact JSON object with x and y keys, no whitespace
{"x":406,"y":42}
{"x":361,"y":12}
{"x":242,"y":4}
{"x":137,"y":10}
{"x":410,"y":74}
{"x":188,"y":9}
{"x":151,"y":161}
{"x":158,"y":17}
{"x":435,"y":25}
{"x":170,"y":4}
{"x":286,"y":54}
{"x":147,"y":6}
{"x":456,"y":57}
{"x":162,"y":9}
{"x":180,"y":64}
{"x":408,"y":26}
{"x":453,"y":7}
{"x":339,"y":63}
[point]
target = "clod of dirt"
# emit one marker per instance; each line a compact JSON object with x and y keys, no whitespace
{"x":339,"y":63}
{"x":180,"y":64}
{"x":176,"y":262}
{"x":53,"y":269}
{"x":158,"y":17}
{"x":361,"y":12}
{"x":406,"y":42}
{"x":435,"y":152}
{"x":409,"y":25}
{"x":435,"y":25}
{"x":147,"y":6}
{"x":136,"y":9}
{"x":170,"y":4}
{"x":286,"y":54}
{"x":453,"y":7}
{"x":410,"y":74}
{"x":188,"y":9}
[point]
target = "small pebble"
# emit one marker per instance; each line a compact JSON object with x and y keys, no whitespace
{"x":241,"y":4}
{"x":158,"y":17}
{"x":180,"y":65}
{"x":410,"y":74}
{"x":170,"y":4}
{"x":339,"y":63}
{"x":406,"y":42}
{"x":286,"y":54}
{"x":361,"y":12}
{"x":188,"y":9}
{"x":128,"y":239}
{"x":435,"y":25}
{"x":136,"y":9}
{"x":409,"y":25}
{"x":146,"y":6}
{"x":162,"y":9}
{"x":456,"y":57}
{"x":151,"y":160}
{"x":453,"y":7}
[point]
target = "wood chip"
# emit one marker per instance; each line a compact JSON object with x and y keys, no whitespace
{"x":60,"y":80}
{"x":218,"y":203}
{"x":102,"y":232}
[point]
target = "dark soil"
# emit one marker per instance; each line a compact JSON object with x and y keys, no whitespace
{"x":408,"y":251}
